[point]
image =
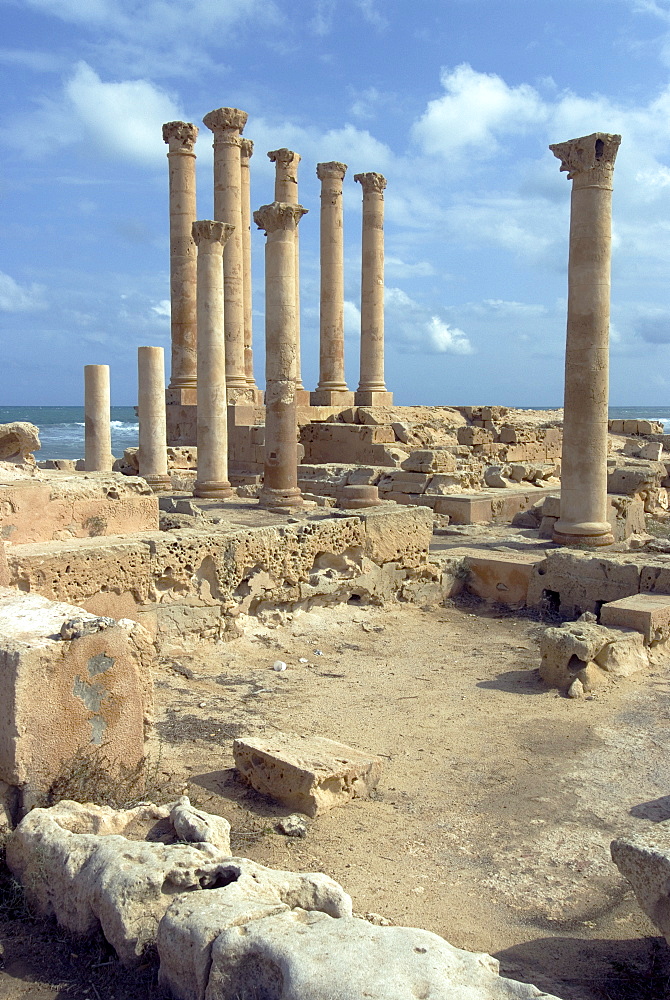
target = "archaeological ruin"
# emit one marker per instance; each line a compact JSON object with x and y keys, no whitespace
{"x":245,"y":511}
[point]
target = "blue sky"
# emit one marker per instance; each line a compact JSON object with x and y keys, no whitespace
{"x":455,"y":102}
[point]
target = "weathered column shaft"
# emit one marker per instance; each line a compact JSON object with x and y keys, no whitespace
{"x":331,"y":339}
{"x":372,"y":289}
{"x":590,"y":165}
{"x":97,"y":427}
{"x":180,"y":137}
{"x":246,"y":152}
{"x":286,"y":191}
{"x":280,"y":474}
{"x":152,"y":452}
{"x":210,"y":238}
{"x":227,"y":125}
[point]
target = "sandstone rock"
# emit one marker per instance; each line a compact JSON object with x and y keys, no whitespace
{"x":18,"y":440}
{"x":435,"y":460}
{"x":311,"y":774}
{"x":634,"y":475}
{"x":198,"y":827}
{"x":587,"y":652}
{"x":294,"y":825}
{"x":645,"y":861}
{"x":494,"y":477}
{"x":401,"y":431}
{"x":300,"y":955}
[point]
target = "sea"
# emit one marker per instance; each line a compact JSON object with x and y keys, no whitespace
{"x":62,"y":427}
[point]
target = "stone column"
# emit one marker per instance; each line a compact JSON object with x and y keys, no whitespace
{"x":227,"y":125}
{"x":97,"y":428}
{"x":280,"y":473}
{"x":372,"y":388}
{"x":152,"y":453}
{"x":583,"y":512}
{"x":210,"y":238}
{"x":332,"y":388}
{"x":246,"y":152}
{"x":286,"y":191}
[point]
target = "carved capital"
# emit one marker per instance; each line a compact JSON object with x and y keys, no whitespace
{"x":590,"y":154}
{"x":208,"y":231}
{"x":226,"y":119}
{"x":371,"y":182}
{"x":331,"y":171}
{"x":180,"y":136}
{"x":246,"y":148}
{"x":278,"y":215}
{"x":284,"y":157}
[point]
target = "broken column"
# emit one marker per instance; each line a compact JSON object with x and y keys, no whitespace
{"x":210,"y":238}
{"x":286,"y":191}
{"x":246,"y":152}
{"x":97,"y":428}
{"x":280,"y":473}
{"x":332,"y":388}
{"x":227,"y":125}
{"x":152,"y":452}
{"x":583,"y":513}
{"x":372,"y":388}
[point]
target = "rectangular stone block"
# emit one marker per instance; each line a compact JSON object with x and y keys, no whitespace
{"x":551,"y":506}
{"x":464,"y":509}
{"x":57,"y":696}
{"x":630,"y":427}
{"x":474,"y":435}
{"x":404,"y":482}
{"x":616,"y":426}
{"x":502,"y":577}
{"x":645,"y":613}
{"x":310,"y":774}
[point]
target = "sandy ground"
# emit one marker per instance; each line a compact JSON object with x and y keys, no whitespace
{"x":492,"y":822}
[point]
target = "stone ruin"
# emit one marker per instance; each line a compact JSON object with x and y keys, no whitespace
{"x":239,"y":502}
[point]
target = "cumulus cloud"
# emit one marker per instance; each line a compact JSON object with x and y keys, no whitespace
{"x":20,"y":298}
{"x":447,"y":339}
{"x":411,"y":326}
{"x":162,"y":308}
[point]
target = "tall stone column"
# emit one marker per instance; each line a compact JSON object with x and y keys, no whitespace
{"x":332,"y":388}
{"x":246,"y":152}
{"x":583,"y":512}
{"x":227,"y":125}
{"x":280,"y":473}
{"x":210,"y":238}
{"x":97,"y":427}
{"x":180,"y":396}
{"x":286,"y":191}
{"x":372,"y":388}
{"x":152,"y":452}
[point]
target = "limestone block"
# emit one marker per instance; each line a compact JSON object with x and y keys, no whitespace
{"x":18,"y":440}
{"x":546,"y":529}
{"x":183,"y":457}
{"x":633,"y":476}
{"x":435,"y":460}
{"x":465,"y":510}
{"x":625,"y":515}
{"x":517,"y":435}
{"x":648,"y":614}
{"x":310,"y":956}
{"x":197,"y":827}
{"x":310,"y":774}
{"x":615,"y":426}
{"x":444,"y":484}
{"x":387,"y":455}
{"x":581,"y":651}
{"x":645,"y":861}
{"x":494,"y":477}
{"x":60,"y":464}
{"x":474,"y":436}
{"x":398,"y":535}
{"x":365,"y":475}
{"x":403,"y":482}
{"x":74,"y":507}
{"x":552,"y":506}
{"x":649,"y":427}
{"x":4,"y":566}
{"x":630,"y":427}
{"x":502,"y":577}
{"x":583,"y":581}
{"x":59,"y":696}
{"x":401,"y":430}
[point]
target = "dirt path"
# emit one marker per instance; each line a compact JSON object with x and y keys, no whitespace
{"x":498,"y":801}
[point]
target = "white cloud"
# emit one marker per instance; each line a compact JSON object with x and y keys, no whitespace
{"x":123,"y":118}
{"x":20,"y":298}
{"x":394,"y":267}
{"x":162,"y":308}
{"x":412,"y":327}
{"x":476,"y":109}
{"x":39,"y":62}
{"x":447,"y":339}
{"x":352,"y":320}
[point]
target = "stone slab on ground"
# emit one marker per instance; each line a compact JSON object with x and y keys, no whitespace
{"x":311,"y":774}
{"x":58,"y":696}
{"x":502,"y":577}
{"x":646,"y":613}
{"x":644,"y":860}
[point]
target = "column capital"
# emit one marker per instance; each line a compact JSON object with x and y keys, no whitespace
{"x":208,"y":231}
{"x":284,"y":157}
{"x":180,"y":136}
{"x":278,"y":215}
{"x":226,"y":119}
{"x":246,"y":148}
{"x":333,"y":170}
{"x":371,"y":182}
{"x":592,"y":155}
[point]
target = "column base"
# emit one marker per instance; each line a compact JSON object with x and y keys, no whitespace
{"x":210,"y":489}
{"x":159,"y":484}
{"x":373,"y":397}
{"x":331,"y":397}
{"x":583,"y":534}
{"x":269,"y":497}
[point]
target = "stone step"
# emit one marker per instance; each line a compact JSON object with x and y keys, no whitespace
{"x":645,"y":613}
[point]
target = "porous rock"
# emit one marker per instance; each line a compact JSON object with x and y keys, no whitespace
{"x":18,"y":440}
{"x":198,"y":827}
{"x":587,"y":652}
{"x":644,"y":860}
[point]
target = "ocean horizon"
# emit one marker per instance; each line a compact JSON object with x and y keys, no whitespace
{"x":62,"y":427}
